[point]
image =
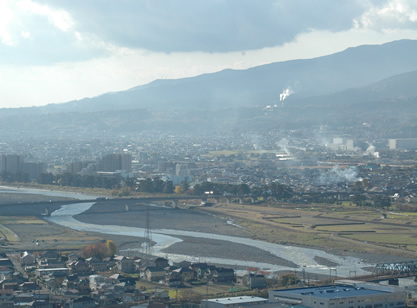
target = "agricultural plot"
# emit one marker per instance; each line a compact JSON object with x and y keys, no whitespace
{"x":344,"y":228}
{"x":27,"y":232}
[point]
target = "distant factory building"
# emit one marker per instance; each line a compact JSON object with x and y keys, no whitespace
{"x":347,"y":145}
{"x":402,"y":144}
{"x":342,"y":144}
{"x":344,"y":294}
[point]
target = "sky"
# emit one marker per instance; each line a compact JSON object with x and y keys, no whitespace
{"x":55,"y":51}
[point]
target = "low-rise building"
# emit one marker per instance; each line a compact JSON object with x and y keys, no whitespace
{"x":233,"y":302}
{"x":27,"y":259}
{"x":40,"y":272}
{"x":225,"y":275}
{"x":254,"y":281}
{"x":124,"y":264}
{"x":154,"y":274}
{"x":344,"y":294}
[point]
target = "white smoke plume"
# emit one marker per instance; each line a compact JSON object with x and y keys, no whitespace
{"x":370,"y":151}
{"x":283,"y":144}
{"x":336,"y":175}
{"x":285,"y":93}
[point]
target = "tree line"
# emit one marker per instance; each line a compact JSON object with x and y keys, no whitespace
{"x":76,"y":180}
{"x":11,"y":177}
{"x":377,"y":201}
{"x":273,"y":190}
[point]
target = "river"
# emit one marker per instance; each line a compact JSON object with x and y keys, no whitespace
{"x":303,"y":257}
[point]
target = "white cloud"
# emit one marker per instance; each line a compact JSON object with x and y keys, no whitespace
{"x":36,"y":34}
{"x":15,"y":19}
{"x":59,"y":18}
{"x":6,"y":18}
{"x":207,"y":26}
{"x":25,"y":34}
{"x":393,"y":14}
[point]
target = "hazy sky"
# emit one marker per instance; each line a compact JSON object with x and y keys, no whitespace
{"x":54,"y":51}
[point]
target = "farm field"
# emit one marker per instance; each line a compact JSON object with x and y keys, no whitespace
{"x":339,"y":229}
{"x":342,"y":229}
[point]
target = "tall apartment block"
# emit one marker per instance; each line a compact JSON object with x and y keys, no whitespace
{"x":114,"y":162}
{"x":12,"y":163}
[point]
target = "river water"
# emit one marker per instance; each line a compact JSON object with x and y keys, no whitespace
{"x":303,"y":257}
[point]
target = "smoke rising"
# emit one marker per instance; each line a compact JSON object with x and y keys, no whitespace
{"x":337,"y":175}
{"x":285,"y":93}
{"x":283,"y":144}
{"x":370,"y":151}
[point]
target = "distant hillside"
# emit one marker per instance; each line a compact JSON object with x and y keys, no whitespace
{"x":375,"y":85}
{"x":398,"y":87}
{"x":354,"y":67}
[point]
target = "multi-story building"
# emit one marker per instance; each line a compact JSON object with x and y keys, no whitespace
{"x":3,"y":162}
{"x":126,"y":162}
{"x":402,"y":144}
{"x":75,"y":167}
{"x":11,"y":162}
{"x":33,"y":169}
{"x":115,"y":162}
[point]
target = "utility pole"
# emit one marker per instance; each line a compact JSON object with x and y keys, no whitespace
{"x":148,"y":234}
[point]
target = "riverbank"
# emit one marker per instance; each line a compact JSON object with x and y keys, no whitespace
{"x":208,"y":238}
{"x":162,"y":218}
{"x":222,"y":221}
{"x":58,"y":188}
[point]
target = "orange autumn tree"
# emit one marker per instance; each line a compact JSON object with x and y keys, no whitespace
{"x":111,"y":246}
{"x":100,"y":250}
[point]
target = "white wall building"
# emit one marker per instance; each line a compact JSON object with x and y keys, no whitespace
{"x":233,"y":302}
{"x":402,"y":144}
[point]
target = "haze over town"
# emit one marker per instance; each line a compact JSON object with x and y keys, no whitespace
{"x":208,"y":149}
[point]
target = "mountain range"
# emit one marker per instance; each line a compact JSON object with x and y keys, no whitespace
{"x":341,"y":89}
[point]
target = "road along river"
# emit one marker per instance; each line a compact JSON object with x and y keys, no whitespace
{"x":304,"y":258}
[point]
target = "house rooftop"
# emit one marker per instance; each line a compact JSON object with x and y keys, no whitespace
{"x":238,"y":300}
{"x":334,"y":291}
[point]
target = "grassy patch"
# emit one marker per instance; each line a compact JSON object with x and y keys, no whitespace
{"x":347,"y":229}
{"x":8,"y":234}
{"x":355,"y":228}
{"x":7,"y":198}
{"x":21,"y":220}
{"x":389,"y":239}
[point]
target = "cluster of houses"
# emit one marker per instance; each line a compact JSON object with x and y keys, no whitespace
{"x":50,"y":278}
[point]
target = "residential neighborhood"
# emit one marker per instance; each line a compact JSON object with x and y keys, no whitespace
{"x":53,"y":279}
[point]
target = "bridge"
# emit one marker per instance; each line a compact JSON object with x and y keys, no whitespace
{"x":132,"y":200}
{"x":391,"y":272}
{"x":174,"y":199}
{"x":399,"y":268}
